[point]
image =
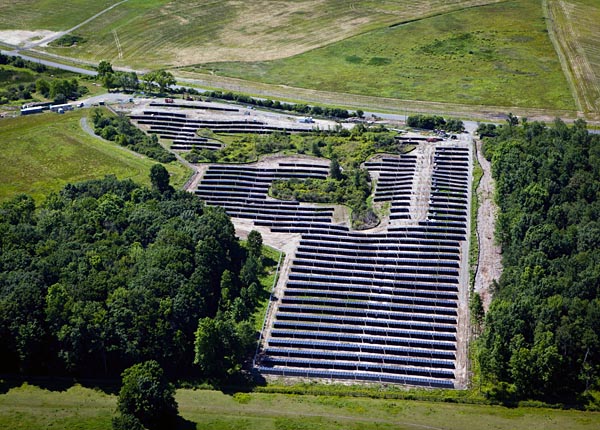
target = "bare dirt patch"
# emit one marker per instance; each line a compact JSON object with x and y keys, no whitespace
{"x":490,"y":258}
{"x":22,"y":37}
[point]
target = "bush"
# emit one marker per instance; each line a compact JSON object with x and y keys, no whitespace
{"x":68,"y":40}
{"x":146,"y":399}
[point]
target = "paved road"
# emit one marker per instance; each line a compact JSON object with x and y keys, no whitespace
{"x":48,"y":63}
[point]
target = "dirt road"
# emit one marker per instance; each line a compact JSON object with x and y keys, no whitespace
{"x":490,"y":260}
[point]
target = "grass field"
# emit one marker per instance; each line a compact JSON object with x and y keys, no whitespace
{"x":575,"y":27}
{"x":48,"y":14}
{"x":474,"y":241}
{"x":41,"y":153}
{"x":497,"y":55}
{"x":159,"y":33}
{"x":29,"y":407}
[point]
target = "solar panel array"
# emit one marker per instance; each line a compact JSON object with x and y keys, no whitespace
{"x":395,"y":183}
{"x":378,"y":307}
{"x":243,"y":191}
{"x":181,"y":129}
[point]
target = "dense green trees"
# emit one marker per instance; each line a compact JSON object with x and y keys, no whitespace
{"x":435,"y":122}
{"x":158,"y":79}
{"x":104,"y":69}
{"x":427,"y":122}
{"x":159,"y":177}
{"x":542,"y":332}
{"x":276,"y":104}
{"x":60,"y":90}
{"x":27,"y":80}
{"x":127,"y":81}
{"x":106,"y":274}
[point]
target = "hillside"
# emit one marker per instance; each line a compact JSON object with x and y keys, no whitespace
{"x":498,"y":55}
{"x":502,"y":54}
{"x":182,"y":32}
{"x":42,"y":153}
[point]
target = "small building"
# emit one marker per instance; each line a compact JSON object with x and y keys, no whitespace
{"x":65,"y":107}
{"x":43,"y":105}
{"x":32,"y":110}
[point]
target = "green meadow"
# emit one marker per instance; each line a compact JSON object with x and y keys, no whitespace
{"x":48,"y":14}
{"x":29,"y":407}
{"x":41,"y":153}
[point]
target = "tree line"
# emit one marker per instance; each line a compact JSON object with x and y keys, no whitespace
{"x":276,"y":104}
{"x":162,"y":82}
{"x":541,"y":337}
{"x":156,"y":81}
{"x":106,"y":274}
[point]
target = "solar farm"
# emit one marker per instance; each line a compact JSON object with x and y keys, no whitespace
{"x":386,"y":305}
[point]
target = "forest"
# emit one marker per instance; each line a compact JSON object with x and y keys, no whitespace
{"x":541,"y":334}
{"x":106,"y":274}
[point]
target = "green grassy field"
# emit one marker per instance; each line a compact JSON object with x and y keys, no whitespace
{"x":159,"y":33}
{"x":48,"y":14}
{"x":474,"y":242}
{"x":41,"y":153}
{"x":460,"y":52}
{"x":497,"y":55}
{"x":29,"y":407}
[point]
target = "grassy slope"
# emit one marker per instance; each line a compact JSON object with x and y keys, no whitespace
{"x":497,"y":55}
{"x":474,"y":241}
{"x":29,"y":407}
{"x":41,"y":153}
{"x":48,"y":14}
{"x":158,"y":33}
